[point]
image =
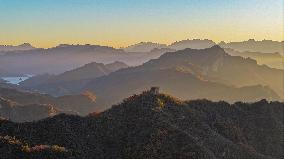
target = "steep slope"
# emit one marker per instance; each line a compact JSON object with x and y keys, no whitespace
{"x":159,"y":126}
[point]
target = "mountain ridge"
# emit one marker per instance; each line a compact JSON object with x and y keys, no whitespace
{"x":22,"y":106}
{"x":161,"y":126}
{"x":59,"y":84}
{"x":67,"y":56}
{"x":265,"y":46}
{"x":210,"y":64}
{"x":191,"y":73}
{"x":21,"y":47}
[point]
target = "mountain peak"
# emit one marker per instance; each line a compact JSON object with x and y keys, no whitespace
{"x":193,"y":44}
{"x":217,"y":48}
{"x":22,"y":47}
{"x":150,"y":99}
{"x":25,"y":45}
{"x":251,"y":40}
{"x":144,"y":47}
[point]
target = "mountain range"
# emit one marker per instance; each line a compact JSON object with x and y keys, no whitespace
{"x":65,"y":57}
{"x":70,"y":81}
{"x":153,"y":126}
{"x":178,"y":45}
{"x":265,"y":46}
{"x":273,"y":60}
{"x":85,"y":101}
{"x":208,"y":73}
{"x":189,"y":74}
{"x":193,"y":44}
{"x":144,"y":47}
{"x":7,"y":48}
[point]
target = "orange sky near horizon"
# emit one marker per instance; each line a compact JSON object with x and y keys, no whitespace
{"x":121,"y":23}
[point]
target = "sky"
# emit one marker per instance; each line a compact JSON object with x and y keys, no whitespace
{"x":119,"y":23}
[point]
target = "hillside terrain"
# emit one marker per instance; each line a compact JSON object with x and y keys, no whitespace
{"x":20,"y":113}
{"x":10,"y":147}
{"x":22,"y":106}
{"x":159,"y":126}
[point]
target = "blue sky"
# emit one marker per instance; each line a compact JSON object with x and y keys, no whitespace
{"x":118,"y":23}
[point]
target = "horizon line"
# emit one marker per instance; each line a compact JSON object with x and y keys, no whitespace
{"x":122,"y":47}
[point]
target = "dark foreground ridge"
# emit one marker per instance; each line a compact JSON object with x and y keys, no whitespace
{"x":153,"y":125}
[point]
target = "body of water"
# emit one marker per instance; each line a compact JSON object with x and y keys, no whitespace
{"x":16,"y":80}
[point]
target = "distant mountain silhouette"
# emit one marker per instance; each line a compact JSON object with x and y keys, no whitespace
{"x":160,"y":126}
{"x":144,"y":47}
{"x":178,"y":45}
{"x":65,"y":57}
{"x":116,"y":66}
{"x":193,"y":44}
{"x":182,"y":83}
{"x":192,"y":74}
{"x":264,"y":46}
{"x":218,"y":66}
{"x":70,"y":80}
{"x":189,"y":74}
{"x":88,"y":71}
{"x":273,"y":60}
{"x":25,"y":46}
